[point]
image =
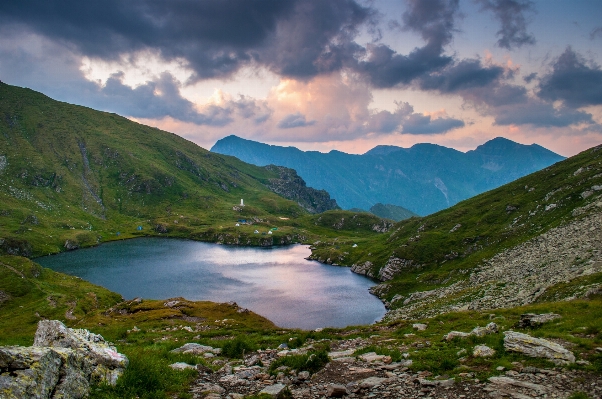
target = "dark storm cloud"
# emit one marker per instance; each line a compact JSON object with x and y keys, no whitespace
{"x":572,"y":81}
{"x":539,"y":114}
{"x":404,"y":119}
{"x":530,"y":77}
{"x":297,"y":38}
{"x":512,"y":105}
{"x":294,"y":120}
{"x":466,"y":74}
{"x":511,"y":15}
{"x":434,"y":21}
{"x":316,"y":37}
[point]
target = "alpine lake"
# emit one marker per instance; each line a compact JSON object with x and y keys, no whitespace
{"x":277,"y":283}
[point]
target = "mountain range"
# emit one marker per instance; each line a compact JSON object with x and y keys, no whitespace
{"x":423,"y":179}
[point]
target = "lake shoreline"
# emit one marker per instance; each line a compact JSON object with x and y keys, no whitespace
{"x":288,"y":286}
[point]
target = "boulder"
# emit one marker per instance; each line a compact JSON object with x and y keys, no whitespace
{"x":275,"y":390}
{"x":28,"y":372}
{"x":62,"y":364}
{"x":453,"y":334}
{"x":107,"y":364}
{"x":371,"y":382}
{"x":531,"y":320}
{"x":336,"y":391}
{"x":483,"y":351}
{"x":537,"y":347}
{"x":372,"y":357}
{"x":339,"y":354}
{"x":196,"y":349}
{"x":303,"y":375}
{"x":181,"y":366}
{"x":490,"y":328}
{"x":419,"y":326}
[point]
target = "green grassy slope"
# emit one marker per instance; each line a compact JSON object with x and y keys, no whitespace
{"x":72,"y":176}
{"x":445,"y":247}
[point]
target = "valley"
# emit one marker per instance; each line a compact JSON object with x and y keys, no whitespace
{"x":72,"y":177}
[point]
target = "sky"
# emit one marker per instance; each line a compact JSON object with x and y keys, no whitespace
{"x":321,"y":75}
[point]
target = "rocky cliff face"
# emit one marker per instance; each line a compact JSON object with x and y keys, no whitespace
{"x":291,"y":186}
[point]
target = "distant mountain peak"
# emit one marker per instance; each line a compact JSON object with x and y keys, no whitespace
{"x":400,"y":176}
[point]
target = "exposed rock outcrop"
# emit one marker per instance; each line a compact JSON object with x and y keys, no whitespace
{"x":537,"y":347}
{"x":291,"y":186}
{"x":363,"y":268}
{"x":395,"y":266}
{"x":520,"y":275}
{"x":62,"y":363}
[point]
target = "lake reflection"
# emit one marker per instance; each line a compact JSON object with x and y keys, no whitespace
{"x":277,"y":283}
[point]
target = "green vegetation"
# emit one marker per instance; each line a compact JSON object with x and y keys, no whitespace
{"x":392,"y":212}
{"x":445,"y":247}
{"x":147,"y":330}
{"x":74,"y":177}
{"x":312,"y":361}
{"x":148,"y":376}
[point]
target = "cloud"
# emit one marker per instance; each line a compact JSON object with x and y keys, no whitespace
{"x":297,"y":38}
{"x":425,"y":124}
{"x":316,"y":38}
{"x":539,"y":114}
{"x":434,"y":21}
{"x":405,"y":120}
{"x":595,"y":33}
{"x":294,"y":120}
{"x":572,"y":81}
{"x":530,"y":77}
{"x":513,"y":105}
{"x":466,"y":74}
{"x":511,"y":15}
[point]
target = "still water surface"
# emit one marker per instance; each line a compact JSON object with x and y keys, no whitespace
{"x":277,"y":283}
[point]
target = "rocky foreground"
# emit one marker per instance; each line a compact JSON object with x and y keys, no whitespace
{"x":375,"y":376}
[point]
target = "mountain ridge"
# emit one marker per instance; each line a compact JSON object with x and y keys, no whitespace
{"x":424,"y":178}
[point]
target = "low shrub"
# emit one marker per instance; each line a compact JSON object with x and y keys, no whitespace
{"x":312,"y":362}
{"x":237,"y":347}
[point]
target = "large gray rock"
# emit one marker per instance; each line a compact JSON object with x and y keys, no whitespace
{"x":107,"y":363}
{"x":537,"y":347}
{"x":75,"y":374}
{"x":491,"y":328}
{"x":27,"y":372}
{"x":483,"y":351}
{"x":61,"y":365}
{"x":275,"y":390}
{"x":196,"y":349}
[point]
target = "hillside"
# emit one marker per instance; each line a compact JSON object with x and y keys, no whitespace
{"x":71,"y":176}
{"x":423,"y":179}
{"x":392,"y":212}
{"x":535,"y":239}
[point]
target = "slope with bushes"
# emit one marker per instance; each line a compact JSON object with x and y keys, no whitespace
{"x":71,"y":176}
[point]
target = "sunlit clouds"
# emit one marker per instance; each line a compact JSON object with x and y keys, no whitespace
{"x":343,"y":74}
